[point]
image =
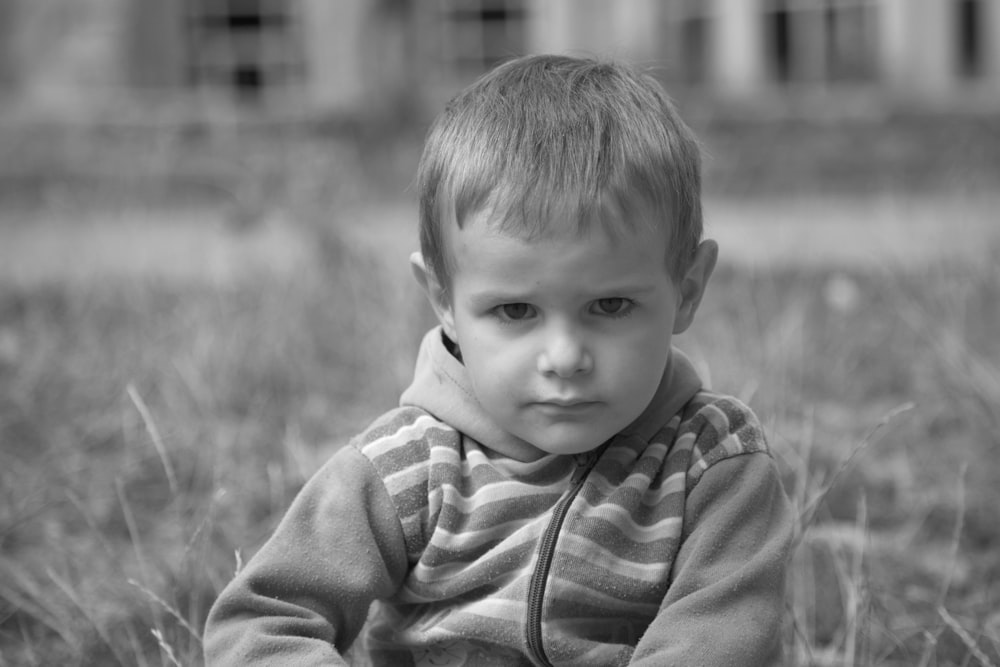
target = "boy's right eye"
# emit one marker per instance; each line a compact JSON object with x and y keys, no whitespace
{"x":514,"y":312}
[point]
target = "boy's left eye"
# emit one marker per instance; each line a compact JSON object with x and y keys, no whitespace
{"x":614,"y":306}
{"x":514,"y":312}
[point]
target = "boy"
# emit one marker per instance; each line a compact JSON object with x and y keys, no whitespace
{"x":556,"y":487}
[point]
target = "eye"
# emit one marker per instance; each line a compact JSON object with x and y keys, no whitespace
{"x":612,"y":307}
{"x":515,"y":312}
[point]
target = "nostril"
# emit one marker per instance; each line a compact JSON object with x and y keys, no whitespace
{"x":565,"y":357}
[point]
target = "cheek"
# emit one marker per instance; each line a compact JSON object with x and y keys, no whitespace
{"x":629,"y":366}
{"x":495,"y":368}
{"x":487,"y":357}
{"x":494,"y":384}
{"x":641,"y":361}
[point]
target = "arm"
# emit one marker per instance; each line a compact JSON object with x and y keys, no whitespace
{"x":302,"y":599}
{"x":725,"y":603}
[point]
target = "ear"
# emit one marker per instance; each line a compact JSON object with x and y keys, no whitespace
{"x":437,"y":295}
{"x":692,"y":286}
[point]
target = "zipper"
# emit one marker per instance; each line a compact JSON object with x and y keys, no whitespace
{"x":546,"y":552}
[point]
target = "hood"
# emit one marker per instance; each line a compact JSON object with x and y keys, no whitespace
{"x":441,"y":386}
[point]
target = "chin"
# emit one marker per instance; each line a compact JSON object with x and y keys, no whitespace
{"x":570,"y":447}
{"x":568,"y":437}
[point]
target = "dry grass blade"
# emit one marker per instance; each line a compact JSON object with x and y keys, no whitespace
{"x":68,"y":591}
{"x":133,"y":528}
{"x":133,"y":531}
{"x":855,"y":590}
{"x":956,"y":537}
{"x":154,"y":434}
{"x":167,"y":649}
{"x":94,"y":528}
{"x":29,"y":599}
{"x":808,"y":512}
{"x":167,"y":608}
{"x":136,"y":646}
{"x":966,"y":638}
{"x":931,"y":637}
{"x":971,"y":375}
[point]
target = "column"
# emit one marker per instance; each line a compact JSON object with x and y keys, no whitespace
{"x":155,"y":44}
{"x":636,"y":25}
{"x":991,"y":39}
{"x":809,"y":40}
{"x":933,"y":49}
{"x":893,"y":56}
{"x":550,"y":26}
{"x":736,"y":49}
{"x":334,"y":36}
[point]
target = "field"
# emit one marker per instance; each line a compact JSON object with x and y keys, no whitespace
{"x":157,"y":420}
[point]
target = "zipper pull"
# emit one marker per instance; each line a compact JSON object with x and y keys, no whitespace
{"x":584,"y":462}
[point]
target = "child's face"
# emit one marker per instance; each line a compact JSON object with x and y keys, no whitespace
{"x":566,"y":337}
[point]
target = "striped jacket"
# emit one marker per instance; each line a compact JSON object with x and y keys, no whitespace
{"x":666,"y":546}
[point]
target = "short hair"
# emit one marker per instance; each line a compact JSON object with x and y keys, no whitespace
{"x":545,"y":138}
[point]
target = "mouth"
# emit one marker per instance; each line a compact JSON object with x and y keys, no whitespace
{"x":565,"y":405}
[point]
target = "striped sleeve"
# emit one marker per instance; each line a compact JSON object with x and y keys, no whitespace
{"x":719,"y":428}
{"x":724,"y":606}
{"x":398,"y":446}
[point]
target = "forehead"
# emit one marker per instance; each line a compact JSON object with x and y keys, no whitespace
{"x":544,"y":210}
{"x":487,"y":255}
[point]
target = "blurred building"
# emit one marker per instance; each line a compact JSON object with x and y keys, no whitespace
{"x":359,"y":57}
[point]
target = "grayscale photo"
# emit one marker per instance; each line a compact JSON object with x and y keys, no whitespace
{"x":544,"y":333}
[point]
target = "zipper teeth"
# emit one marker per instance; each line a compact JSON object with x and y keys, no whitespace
{"x":536,"y":586}
{"x":538,"y":580}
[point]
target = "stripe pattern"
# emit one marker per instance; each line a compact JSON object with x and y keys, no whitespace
{"x":472,"y":522}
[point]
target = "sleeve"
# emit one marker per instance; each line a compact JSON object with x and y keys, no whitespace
{"x":302,"y":599}
{"x":726,"y":599}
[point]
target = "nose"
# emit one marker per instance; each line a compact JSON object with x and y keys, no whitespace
{"x":564,"y":354}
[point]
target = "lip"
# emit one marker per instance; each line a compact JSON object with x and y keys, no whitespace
{"x":565,"y":405}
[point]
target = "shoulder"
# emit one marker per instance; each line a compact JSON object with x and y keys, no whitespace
{"x":717,"y":427}
{"x":401,"y":440}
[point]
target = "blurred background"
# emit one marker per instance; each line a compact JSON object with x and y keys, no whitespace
{"x":205,"y":216}
{"x":247,"y":105}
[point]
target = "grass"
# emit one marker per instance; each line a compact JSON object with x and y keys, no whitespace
{"x":155,"y":430}
{"x":149,"y":430}
{"x":881,"y":408}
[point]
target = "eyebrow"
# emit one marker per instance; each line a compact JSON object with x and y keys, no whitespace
{"x":501,"y":296}
{"x":495,"y":296}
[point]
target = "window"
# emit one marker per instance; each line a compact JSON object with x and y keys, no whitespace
{"x":478,"y":34}
{"x":968,"y":39}
{"x":778,"y":36}
{"x":686,"y":28}
{"x":849,"y":27}
{"x":245,"y":50}
{"x":821,"y":41}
